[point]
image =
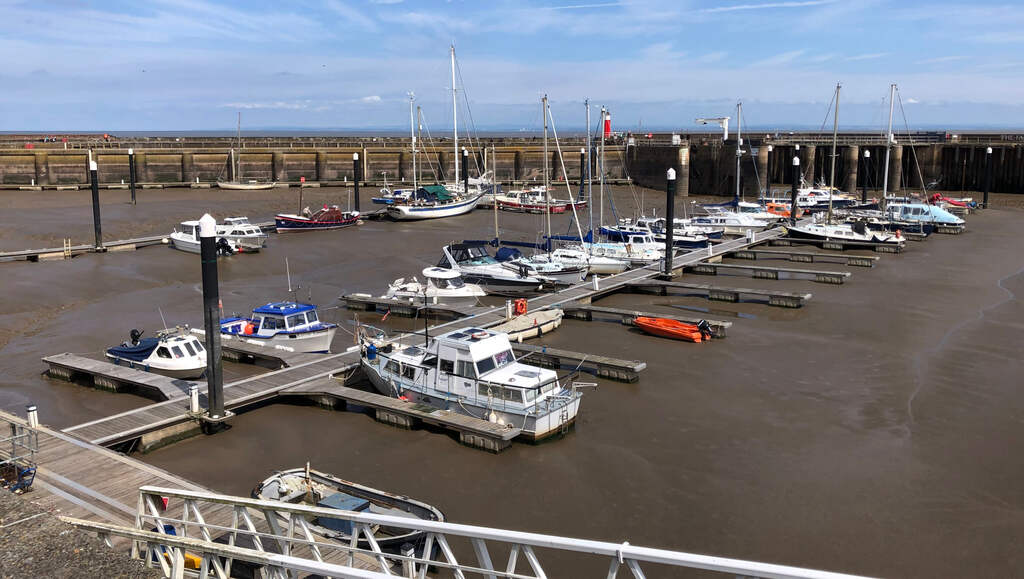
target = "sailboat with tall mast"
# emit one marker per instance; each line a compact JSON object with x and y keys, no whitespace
{"x":828,"y":230}
{"x":235,"y":163}
{"x":436,"y":201}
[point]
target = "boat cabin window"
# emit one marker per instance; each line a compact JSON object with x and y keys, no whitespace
{"x":163,"y":352}
{"x":296,"y":320}
{"x":504,"y":358}
{"x":456,"y":282}
{"x":177,"y":352}
{"x":409,"y":372}
{"x":465,"y":369}
{"x":272,"y":323}
{"x":188,"y":348}
{"x":311,"y":316}
{"x":447,"y":366}
{"x":199,"y":346}
{"x":485,"y":365}
{"x":500,"y":393}
{"x":392,"y":367}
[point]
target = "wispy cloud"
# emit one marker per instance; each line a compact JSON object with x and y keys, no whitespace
{"x":352,"y":15}
{"x":869,"y":56}
{"x":386,"y":1}
{"x":281,"y":105}
{"x":940,"y":59}
{"x":585,"y":6}
{"x":912,"y":101}
{"x":778,"y":59}
{"x":766,"y":6}
{"x":370,"y":99}
{"x":710,"y":57}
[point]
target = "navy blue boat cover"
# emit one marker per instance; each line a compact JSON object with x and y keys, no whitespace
{"x":135,"y":353}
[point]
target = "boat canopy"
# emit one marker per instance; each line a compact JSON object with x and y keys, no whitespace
{"x":434,"y":193}
{"x":136,"y":353}
{"x":440,"y":273}
{"x":283,"y":308}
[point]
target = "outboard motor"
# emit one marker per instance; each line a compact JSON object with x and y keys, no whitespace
{"x":705,"y":329}
{"x":133,"y":338}
{"x":223,"y":247}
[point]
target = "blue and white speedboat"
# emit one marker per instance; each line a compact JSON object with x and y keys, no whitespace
{"x":291,"y":325}
{"x":683,"y":235}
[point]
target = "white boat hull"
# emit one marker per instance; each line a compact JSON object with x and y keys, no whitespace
{"x":184,"y":371}
{"x":233,"y":185}
{"x":314,"y":342}
{"x":183,"y":244}
{"x":416,"y":212}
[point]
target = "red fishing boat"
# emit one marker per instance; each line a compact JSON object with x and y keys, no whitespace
{"x":674,"y":329}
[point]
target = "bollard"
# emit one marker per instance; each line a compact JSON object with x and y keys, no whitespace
{"x":32,"y":416}
{"x":193,"y":399}
{"x":670,"y":214}
{"x":211,"y":297}
{"x":508,"y":309}
{"x":864,"y":176}
{"x":793,"y":193}
{"x":988,"y":174}
{"x":356,"y":175}
{"x":131,"y":172}
{"x":97,"y":228}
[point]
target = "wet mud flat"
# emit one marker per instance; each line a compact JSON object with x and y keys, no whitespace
{"x":873,"y":431}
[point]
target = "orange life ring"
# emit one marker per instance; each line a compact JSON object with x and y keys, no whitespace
{"x":520,"y":306}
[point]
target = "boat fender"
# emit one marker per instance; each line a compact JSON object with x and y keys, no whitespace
{"x":249,"y":329}
{"x":492,"y":418}
{"x":521,"y":306}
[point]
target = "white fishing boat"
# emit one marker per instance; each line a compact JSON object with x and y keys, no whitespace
{"x":290,"y":325}
{"x":472,"y":372}
{"x":242,"y":233}
{"x":477,"y":266}
{"x":440,"y":286}
{"x":187,"y":239}
{"x":235,"y":162}
{"x":530,"y":324}
{"x":174,"y":352}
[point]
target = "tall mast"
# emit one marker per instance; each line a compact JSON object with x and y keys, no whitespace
{"x":547,"y":191}
{"x":494,"y":189}
{"x":419,"y":133}
{"x":412,"y":134}
{"x":238,"y":157}
{"x":586,"y":175}
{"x":739,"y":145}
{"x":832,"y":170}
{"x":455,"y":119}
{"x":888,"y":144}
{"x":600,"y":168}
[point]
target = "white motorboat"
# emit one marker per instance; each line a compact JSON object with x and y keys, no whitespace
{"x":550,"y":267}
{"x":732,"y":222}
{"x":758,"y":211}
{"x":477,"y":266}
{"x":472,"y":372}
{"x":844,"y":232}
{"x":174,"y":352}
{"x":637,"y":250}
{"x":595,"y":264}
{"x":440,"y":286}
{"x":188,"y":240}
{"x":242,"y":233}
{"x":293,"y":326}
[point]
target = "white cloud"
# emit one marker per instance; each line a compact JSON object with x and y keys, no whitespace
{"x":912,"y":101}
{"x":386,"y":1}
{"x":352,"y":16}
{"x":370,"y":99}
{"x":282,"y":105}
{"x":941,"y":59}
{"x":766,"y":5}
{"x":783,"y":58}
{"x":869,"y":56}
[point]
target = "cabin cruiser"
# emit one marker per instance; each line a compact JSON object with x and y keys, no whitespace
{"x":472,"y":372}
{"x":758,"y":211}
{"x":858,"y":231}
{"x":637,"y":250}
{"x":440,"y":286}
{"x":546,"y":265}
{"x":683,"y":235}
{"x":594,"y":264}
{"x":188,"y":240}
{"x":305,"y":486}
{"x":732,"y":222}
{"x":477,"y":266}
{"x":239,"y":231}
{"x":174,"y":352}
{"x":291,"y":325}
{"x":922,"y":213}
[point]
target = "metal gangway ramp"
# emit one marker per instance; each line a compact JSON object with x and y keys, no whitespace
{"x":289,"y":548}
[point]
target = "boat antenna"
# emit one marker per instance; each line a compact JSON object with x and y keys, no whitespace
{"x":288,"y":272}
{"x":162,"y":320}
{"x":547,"y":188}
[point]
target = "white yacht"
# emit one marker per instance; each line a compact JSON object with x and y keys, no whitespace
{"x":478,"y":266}
{"x":637,"y":250}
{"x":595,"y":264}
{"x":242,"y":233}
{"x":291,"y":325}
{"x":188,"y":240}
{"x":551,"y":267}
{"x":732,"y":222}
{"x":472,"y":372}
{"x":440,"y":286}
{"x":844,"y":232}
{"x":174,"y":352}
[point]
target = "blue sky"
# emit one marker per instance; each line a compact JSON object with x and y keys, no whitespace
{"x":191,"y":64}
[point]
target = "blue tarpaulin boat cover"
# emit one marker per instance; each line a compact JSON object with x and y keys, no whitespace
{"x":135,"y":353}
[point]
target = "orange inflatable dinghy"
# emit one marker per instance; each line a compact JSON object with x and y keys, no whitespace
{"x":674,"y":329}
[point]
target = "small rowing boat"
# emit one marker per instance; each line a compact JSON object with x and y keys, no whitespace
{"x":666,"y":328}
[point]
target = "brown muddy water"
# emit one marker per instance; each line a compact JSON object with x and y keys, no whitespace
{"x":878,"y":430}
